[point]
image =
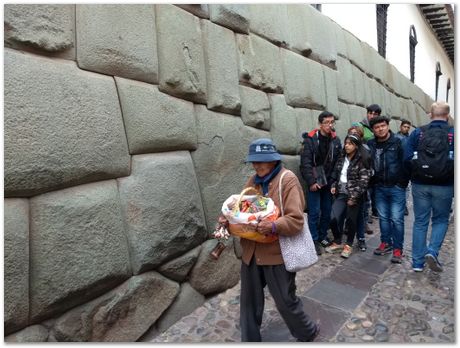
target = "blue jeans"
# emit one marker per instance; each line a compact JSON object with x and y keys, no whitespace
{"x":434,"y":201}
{"x":390,"y":203}
{"x":319,"y":212}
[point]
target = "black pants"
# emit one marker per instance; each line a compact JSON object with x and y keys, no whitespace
{"x":281,"y":284}
{"x":340,"y":211}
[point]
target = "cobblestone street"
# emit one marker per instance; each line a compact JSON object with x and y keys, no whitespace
{"x":365,"y":298}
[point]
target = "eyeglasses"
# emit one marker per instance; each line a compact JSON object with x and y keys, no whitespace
{"x":328,"y":123}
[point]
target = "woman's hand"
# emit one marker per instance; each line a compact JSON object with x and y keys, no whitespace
{"x":315,"y":187}
{"x":222,"y":220}
{"x":333,"y":190}
{"x":264,"y":227}
{"x":350,"y":202}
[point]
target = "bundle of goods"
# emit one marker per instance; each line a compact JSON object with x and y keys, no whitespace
{"x":244,"y":213}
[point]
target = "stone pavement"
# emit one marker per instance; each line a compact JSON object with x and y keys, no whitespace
{"x":365,"y":298}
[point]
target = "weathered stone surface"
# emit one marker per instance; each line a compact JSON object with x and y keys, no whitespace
{"x":225,"y":270}
{"x":155,"y":121}
{"x":330,"y":81}
{"x":341,"y":45}
{"x":344,"y":122}
{"x":78,"y":247}
{"x":293,"y":164}
{"x":270,"y":21}
{"x":259,"y":63}
{"x":375,"y":64}
{"x":179,"y":268}
{"x":63,"y":126}
{"x":345,"y":85}
{"x":121,"y":315}
{"x":367,"y":89}
{"x":200,"y":10}
{"x":223,"y":142}
{"x":49,"y":28}
{"x":255,"y":108}
{"x":118,"y":40}
{"x":304,"y":81}
{"x":180,"y":53}
{"x":283,"y":125}
{"x":409,"y":111}
{"x":221,"y":64}
{"x":232,"y":16}
{"x":319,"y":33}
{"x":358,"y":82}
{"x":162,"y":209}
{"x":34,"y":333}
{"x":376,"y":92}
{"x":298,"y":27}
{"x":357,"y":113}
{"x":16,"y":263}
{"x":354,"y":50}
{"x":185,"y":303}
{"x":305,"y":123}
{"x":421,"y":116}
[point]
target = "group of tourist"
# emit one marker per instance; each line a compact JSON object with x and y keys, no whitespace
{"x":370,"y":172}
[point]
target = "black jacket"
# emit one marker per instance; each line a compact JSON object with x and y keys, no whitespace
{"x":309,"y":156}
{"x":388,"y":168}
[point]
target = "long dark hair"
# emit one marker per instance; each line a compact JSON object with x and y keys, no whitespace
{"x":361,"y":151}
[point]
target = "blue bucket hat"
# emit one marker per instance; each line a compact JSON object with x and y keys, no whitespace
{"x":263,"y":150}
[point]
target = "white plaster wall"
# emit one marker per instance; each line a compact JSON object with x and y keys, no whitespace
{"x":360,"y":19}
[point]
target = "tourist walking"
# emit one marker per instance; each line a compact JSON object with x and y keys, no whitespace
{"x":349,"y":184}
{"x":429,"y":157}
{"x":321,"y":148}
{"x":389,"y":182}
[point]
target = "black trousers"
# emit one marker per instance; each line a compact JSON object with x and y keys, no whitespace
{"x":341,"y":211}
{"x":281,"y":284}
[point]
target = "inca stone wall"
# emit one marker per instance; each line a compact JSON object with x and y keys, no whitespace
{"x":126,"y":127}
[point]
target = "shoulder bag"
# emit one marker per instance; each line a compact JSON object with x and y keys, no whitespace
{"x":298,"y":251}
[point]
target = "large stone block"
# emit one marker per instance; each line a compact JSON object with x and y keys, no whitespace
{"x":318,"y":32}
{"x":367,"y":89}
{"x":341,"y":45}
{"x":200,"y":10}
{"x":330,"y":81}
{"x":376,"y":92}
{"x":185,"y":303}
{"x":49,"y":28}
{"x":374,"y":66}
{"x":223,"y":142}
{"x":162,"y":209}
{"x":118,"y":40}
{"x":421,"y":116}
{"x":345,"y":86}
{"x":283,"y":125}
{"x":259,"y":63}
{"x":210,"y":276}
{"x":16,"y":264}
{"x":155,"y":121}
{"x":180,"y":53}
{"x":344,"y":122}
{"x":233,"y":16}
{"x":78,"y":247}
{"x":63,"y":126}
{"x":221,"y":63}
{"x":305,"y":123}
{"x":298,"y":27}
{"x":179,"y":268}
{"x":357,"y":113}
{"x":121,"y":315}
{"x":270,"y":21}
{"x":255,"y":108}
{"x":304,"y":81}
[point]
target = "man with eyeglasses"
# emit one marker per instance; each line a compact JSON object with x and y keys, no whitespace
{"x":321,"y":148}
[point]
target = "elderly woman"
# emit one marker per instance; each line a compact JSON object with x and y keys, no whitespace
{"x":262,"y":262}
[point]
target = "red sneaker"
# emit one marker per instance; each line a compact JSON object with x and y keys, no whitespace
{"x":397,"y":256}
{"x":383,"y":249}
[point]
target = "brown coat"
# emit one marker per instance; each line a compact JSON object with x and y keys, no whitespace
{"x":289,"y":224}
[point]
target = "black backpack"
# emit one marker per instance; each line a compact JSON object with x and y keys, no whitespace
{"x":434,"y":163}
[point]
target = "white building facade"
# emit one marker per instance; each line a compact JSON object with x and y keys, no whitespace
{"x":433,"y":67}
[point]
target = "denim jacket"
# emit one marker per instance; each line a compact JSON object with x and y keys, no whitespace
{"x":388,"y":167}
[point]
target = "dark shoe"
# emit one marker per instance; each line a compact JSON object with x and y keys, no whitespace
{"x":362,"y":245}
{"x":318,"y":248}
{"x":433,"y":263}
{"x":383,"y":249}
{"x":314,"y":336}
{"x":325,"y":243}
{"x":397,"y":256}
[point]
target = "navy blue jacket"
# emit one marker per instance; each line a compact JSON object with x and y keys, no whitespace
{"x":389,"y":167}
